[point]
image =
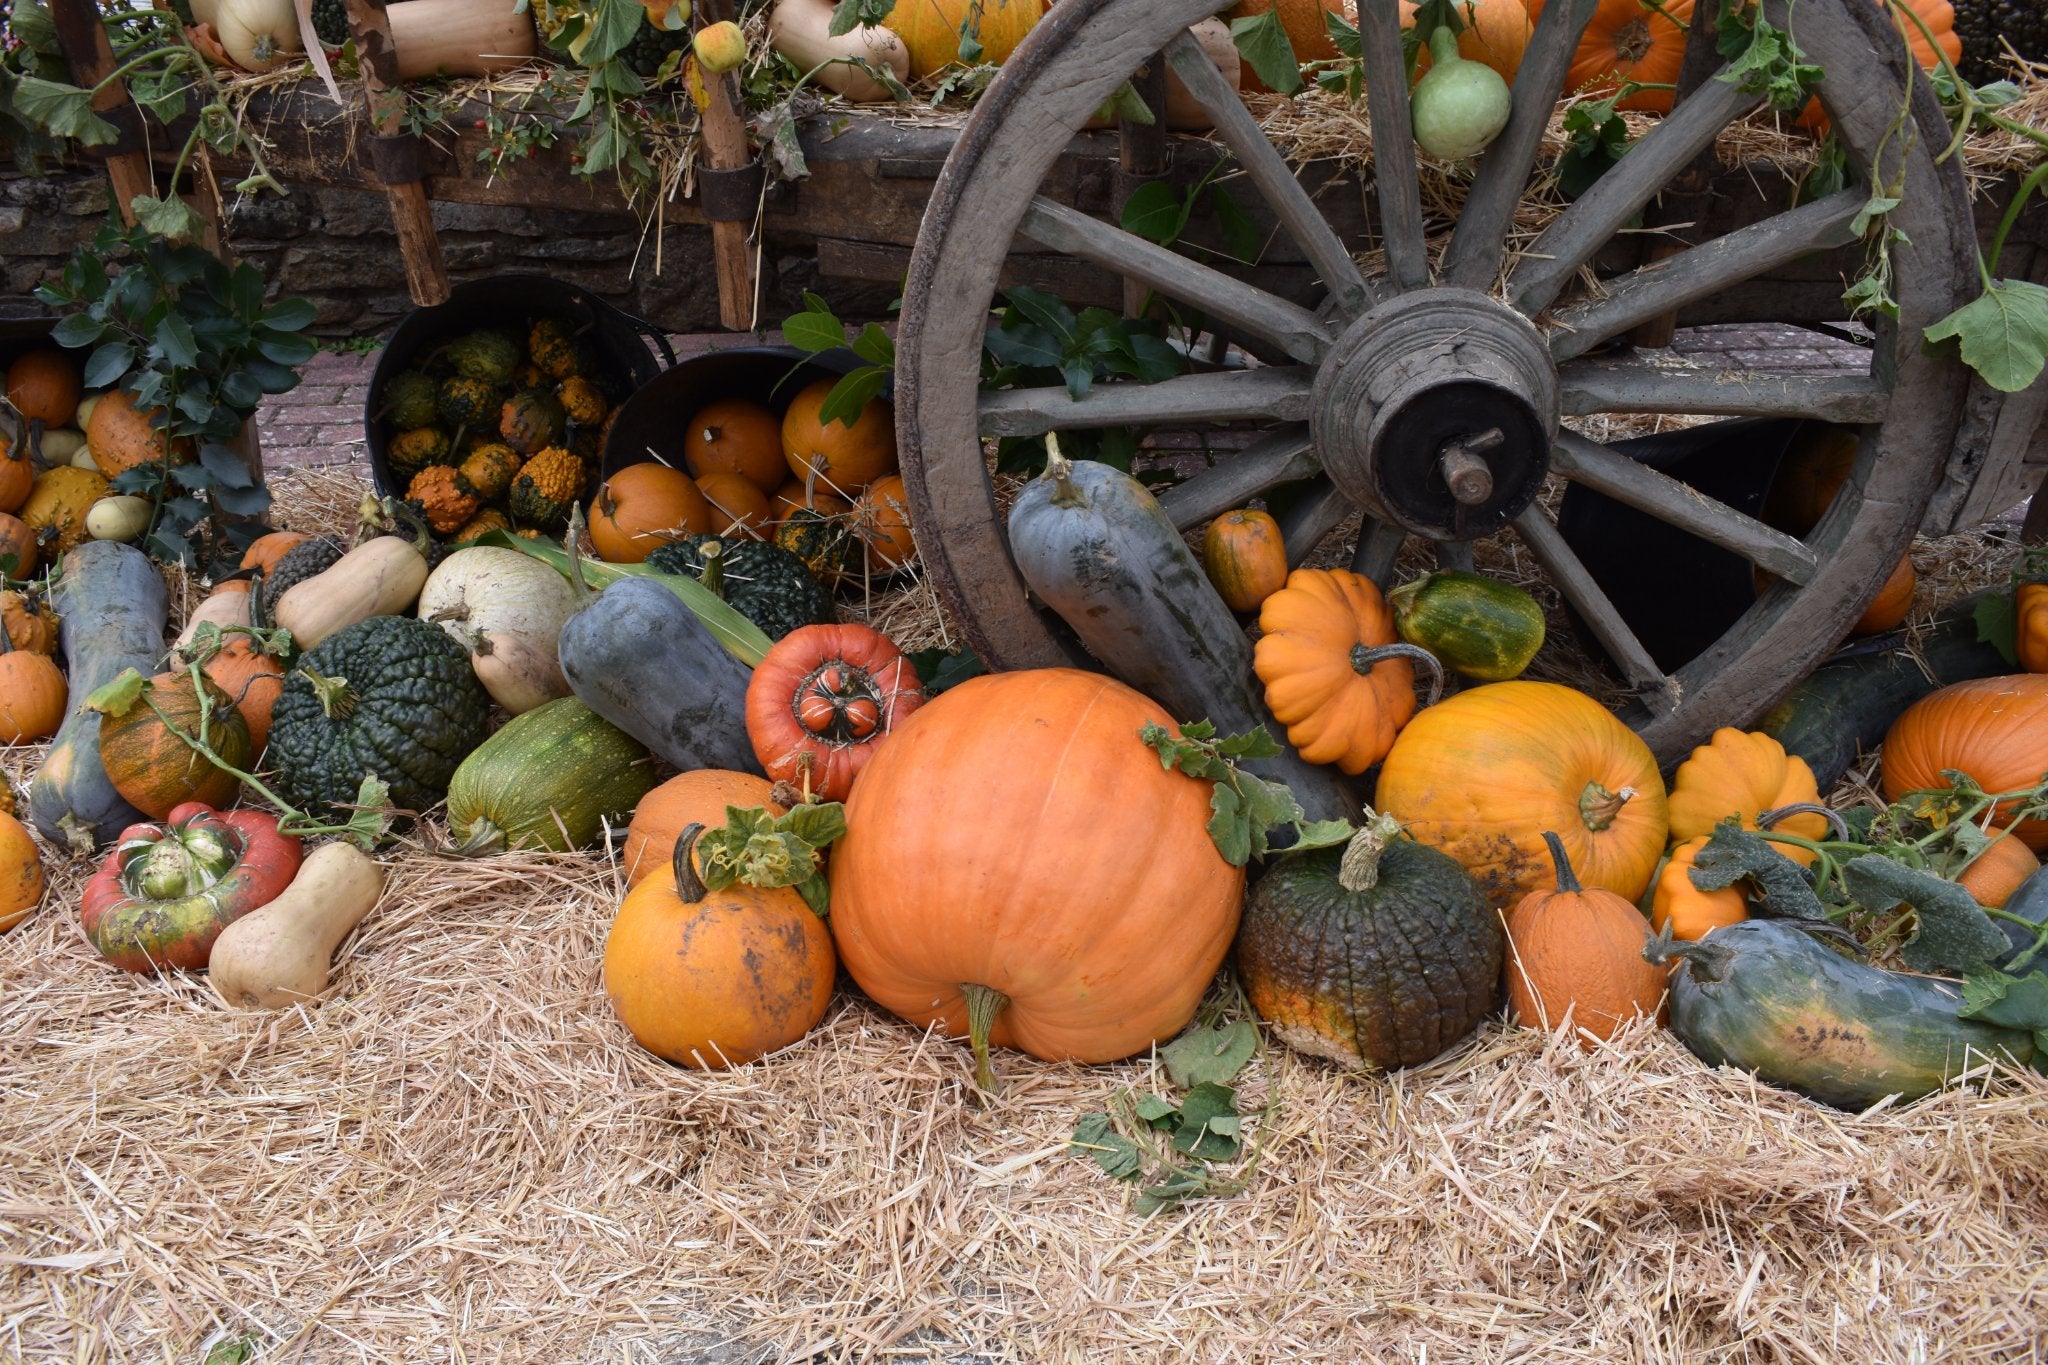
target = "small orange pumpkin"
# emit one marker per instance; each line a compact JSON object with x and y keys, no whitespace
{"x":30,"y":624}
{"x":264,"y":551}
{"x":17,"y":477}
{"x":249,"y":674}
{"x":1484,"y":774}
{"x":738,"y":507}
{"x":1809,"y":475}
{"x":1691,"y":912}
{"x":642,"y":507}
{"x":791,"y":498}
{"x":21,"y":873}
{"x":121,"y":436}
{"x":831,"y":455}
{"x":1334,"y":674}
{"x":1744,"y":775}
{"x":1993,"y":729}
{"x":734,"y":436}
{"x":822,"y":702}
{"x":1994,"y":874}
{"x":153,"y":769}
{"x":2030,"y":626}
{"x":32,"y":695}
{"x":1496,"y":34}
{"x":713,"y":979}
{"x":881,"y":522}
{"x":19,"y":541}
{"x":692,"y":798}
{"x":43,"y":385}
{"x":1245,"y":557}
{"x":56,"y":506}
{"x":1629,"y":40}
{"x":1577,"y":951}
{"x":1888,"y":610}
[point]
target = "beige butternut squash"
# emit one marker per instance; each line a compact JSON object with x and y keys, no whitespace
{"x":801,"y":31}
{"x":226,"y":607}
{"x":380,"y":577}
{"x":278,"y":956}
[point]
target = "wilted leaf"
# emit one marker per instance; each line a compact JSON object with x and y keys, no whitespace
{"x":1212,"y":1055}
{"x":1951,"y":932}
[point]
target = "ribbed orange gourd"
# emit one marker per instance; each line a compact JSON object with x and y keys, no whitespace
{"x":2030,"y":627}
{"x":1691,"y":912}
{"x":1020,"y":869}
{"x":1993,"y":729}
{"x":1484,"y":774}
{"x":1744,"y":775}
{"x":1578,"y":951}
{"x":1334,"y":673}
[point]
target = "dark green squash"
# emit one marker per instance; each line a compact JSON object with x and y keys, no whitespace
{"x":1097,"y":548}
{"x":391,"y":696}
{"x":1476,"y":626}
{"x":111,"y":611}
{"x":2030,"y":903}
{"x":764,"y":583}
{"x":303,"y":561}
{"x":549,"y":779}
{"x":1381,"y":954}
{"x":1766,"y":997}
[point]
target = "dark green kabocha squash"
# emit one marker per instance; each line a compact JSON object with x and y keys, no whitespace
{"x":298,"y":564}
{"x":767,"y":585}
{"x":392,"y":696}
{"x":1380,"y":954}
{"x":412,"y":399}
{"x":1982,"y":24}
{"x":650,"y":47}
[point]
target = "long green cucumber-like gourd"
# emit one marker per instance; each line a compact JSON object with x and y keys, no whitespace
{"x":645,"y":662}
{"x":1766,"y":997}
{"x":549,"y":779}
{"x":112,"y":610}
{"x":1098,"y":549}
{"x":1849,"y":702}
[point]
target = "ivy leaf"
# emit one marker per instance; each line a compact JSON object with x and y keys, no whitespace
{"x":118,"y":697}
{"x":2002,"y":334}
{"x":1998,"y":625}
{"x":2007,"y":1001}
{"x":1734,"y":854}
{"x":1263,"y":42}
{"x":1951,"y":932}
{"x":849,"y":15}
{"x":64,"y":110}
{"x":1117,"y":1155}
{"x":1213,"y":1055}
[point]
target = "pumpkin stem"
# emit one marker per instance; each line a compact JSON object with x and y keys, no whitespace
{"x":570,"y":542}
{"x":484,"y":837}
{"x":984,"y":1003}
{"x":337,"y":700}
{"x":1359,"y":869}
{"x":422,"y":533}
{"x":1598,"y":806}
{"x":259,"y":616}
{"x":1840,"y":829}
{"x":1364,"y":658}
{"x":711,"y":554}
{"x":1060,"y":470}
{"x":1567,"y":880}
{"x":1709,"y":959}
{"x":689,"y":886}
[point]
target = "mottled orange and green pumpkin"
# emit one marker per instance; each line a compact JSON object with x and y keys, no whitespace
{"x":466,"y":402}
{"x":489,"y":469}
{"x":411,"y":451}
{"x":530,"y":422}
{"x":556,"y":352}
{"x":153,"y":769}
{"x":582,"y":400}
{"x":546,"y":488}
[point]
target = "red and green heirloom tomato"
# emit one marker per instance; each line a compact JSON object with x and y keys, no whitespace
{"x":166,"y":891}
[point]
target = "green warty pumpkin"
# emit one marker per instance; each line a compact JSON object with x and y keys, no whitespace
{"x":767,"y":585}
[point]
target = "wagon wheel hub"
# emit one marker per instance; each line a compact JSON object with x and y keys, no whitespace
{"x":1436,"y":411}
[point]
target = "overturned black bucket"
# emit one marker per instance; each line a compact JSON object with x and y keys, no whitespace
{"x":1699,"y":590}
{"x":620,"y":340}
{"x":654,"y":422}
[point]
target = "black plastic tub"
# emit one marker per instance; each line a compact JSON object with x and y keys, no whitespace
{"x":626,"y":346}
{"x":654,"y":421}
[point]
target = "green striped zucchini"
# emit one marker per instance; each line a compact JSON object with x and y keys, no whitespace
{"x":1478,"y":627}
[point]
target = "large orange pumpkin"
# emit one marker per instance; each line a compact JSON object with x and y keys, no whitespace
{"x":17,"y":476}
{"x":1020,"y":869}
{"x":734,"y":436}
{"x":122,"y":436}
{"x":1995,"y":730}
{"x":641,"y":508}
{"x":713,"y":979}
{"x":1743,"y":775}
{"x":831,"y":455}
{"x":21,"y":873}
{"x":1629,"y":40}
{"x":1484,"y":774}
{"x":933,"y":29}
{"x":692,"y":798}
{"x":1940,"y":18}
{"x":43,"y":386}
{"x":1577,"y":950}
{"x":153,"y":769}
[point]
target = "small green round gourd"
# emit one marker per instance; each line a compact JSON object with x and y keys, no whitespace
{"x":1459,"y":107}
{"x":1379,"y":955}
{"x":1478,"y":627}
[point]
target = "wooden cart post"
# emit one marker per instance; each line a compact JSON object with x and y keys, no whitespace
{"x":83,"y":38}
{"x":729,"y":184}
{"x":395,"y":155}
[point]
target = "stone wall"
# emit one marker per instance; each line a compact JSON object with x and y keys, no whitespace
{"x":337,"y":248}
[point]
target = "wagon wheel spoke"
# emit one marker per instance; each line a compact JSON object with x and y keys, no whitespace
{"x":1393,"y":145}
{"x":1561,"y":249}
{"x":1379,"y":545}
{"x":1319,"y":510}
{"x":1587,"y":386}
{"x":1681,"y":505}
{"x":1294,"y":328}
{"x":1693,"y":274}
{"x":1281,"y":457}
{"x":1480,"y":239}
{"x":1269,"y":171}
{"x":1273,"y":394}
{"x":1540,"y":534}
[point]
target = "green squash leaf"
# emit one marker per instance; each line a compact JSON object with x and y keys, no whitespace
{"x":1118,"y":1156}
{"x":1951,"y":932}
{"x":118,"y":697}
{"x":1159,"y":1112}
{"x":1781,"y":888}
{"x":2007,"y":1001}
{"x":1245,"y":811}
{"x":1209,"y":1123}
{"x":1209,"y":1055}
{"x":768,"y":851}
{"x":1262,"y":41}
{"x":1997,"y":623}
{"x":2002,"y":334}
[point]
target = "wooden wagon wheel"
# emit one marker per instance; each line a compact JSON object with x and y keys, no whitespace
{"x":1382,"y":384}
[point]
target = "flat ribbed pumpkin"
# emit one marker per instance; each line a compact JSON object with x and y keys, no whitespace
{"x":1334,"y":675}
{"x":932,"y":29}
{"x":1629,"y":40}
{"x":1993,"y":729}
{"x":1019,"y":868}
{"x":1744,"y":775}
{"x":1485,"y":773}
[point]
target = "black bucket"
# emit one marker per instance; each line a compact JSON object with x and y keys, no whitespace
{"x":1678,"y":593}
{"x":655,"y":420}
{"x":515,"y":301}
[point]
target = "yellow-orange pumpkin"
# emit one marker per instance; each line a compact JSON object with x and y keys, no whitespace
{"x":1893,"y":602}
{"x":56,"y":506}
{"x":1245,"y":558}
{"x":2030,"y":626}
{"x":738,"y":506}
{"x":121,"y":436}
{"x":1577,"y":952}
{"x":1743,"y":775}
{"x":1482,"y":775}
{"x":21,"y":873}
{"x":933,"y":29}
{"x":1993,"y":875}
{"x":692,"y":798}
{"x":1993,"y":729}
{"x":1690,"y":912}
{"x":1496,"y":34}
{"x":831,"y":455}
{"x":881,"y":521}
